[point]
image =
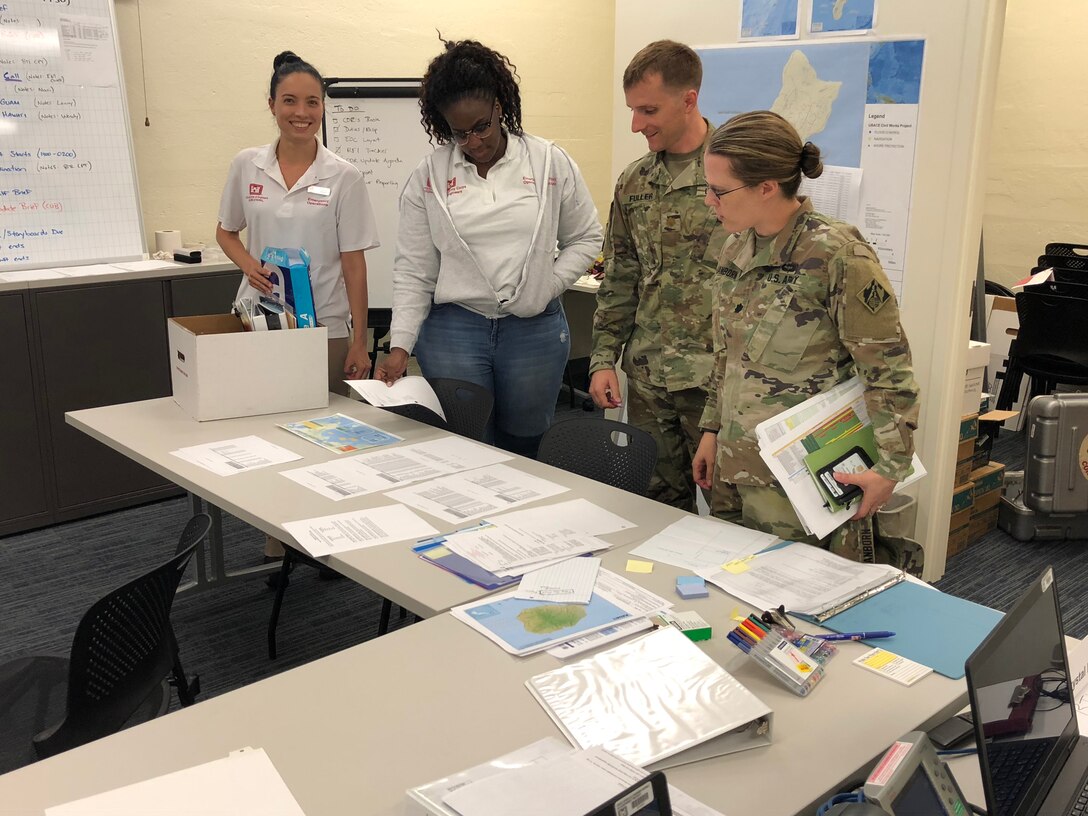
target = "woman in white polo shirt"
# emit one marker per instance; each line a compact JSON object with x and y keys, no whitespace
{"x":494,"y":226}
{"x":294,"y":193}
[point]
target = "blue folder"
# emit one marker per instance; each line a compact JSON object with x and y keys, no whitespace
{"x":931,"y":628}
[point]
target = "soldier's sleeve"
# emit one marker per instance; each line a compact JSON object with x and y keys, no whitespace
{"x":711,"y":420}
{"x":867,"y":315}
{"x":617,"y":299}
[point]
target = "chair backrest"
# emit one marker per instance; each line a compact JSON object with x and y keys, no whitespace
{"x":195,"y":531}
{"x":467,"y":406}
{"x":419,"y":413}
{"x":1063,"y":262}
{"x":588,"y":446}
{"x":1051,"y":339}
{"x":1067,"y":250}
{"x":123,"y":648}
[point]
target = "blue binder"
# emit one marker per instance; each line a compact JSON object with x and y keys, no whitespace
{"x":931,"y":628}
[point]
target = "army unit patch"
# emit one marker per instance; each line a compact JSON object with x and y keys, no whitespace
{"x":874,"y":296}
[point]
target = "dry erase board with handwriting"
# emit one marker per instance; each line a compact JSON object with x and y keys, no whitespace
{"x":374,"y":124}
{"x":67,"y":182}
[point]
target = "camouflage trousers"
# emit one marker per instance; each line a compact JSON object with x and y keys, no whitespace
{"x":768,"y":510}
{"x":672,"y":419}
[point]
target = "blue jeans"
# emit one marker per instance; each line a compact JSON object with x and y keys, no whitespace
{"x":519,"y":359}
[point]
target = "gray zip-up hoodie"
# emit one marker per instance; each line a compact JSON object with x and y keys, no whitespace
{"x":434,"y":264}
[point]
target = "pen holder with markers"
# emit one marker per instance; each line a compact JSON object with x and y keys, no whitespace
{"x":794,"y":659}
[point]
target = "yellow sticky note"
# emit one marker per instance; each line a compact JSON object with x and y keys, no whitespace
{"x":644,"y":567}
{"x":879,"y":659}
{"x":736,"y":615}
{"x":738,"y":566}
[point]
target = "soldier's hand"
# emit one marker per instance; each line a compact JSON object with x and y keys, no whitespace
{"x":604,"y":387}
{"x":876,"y":490}
{"x":702,"y":464}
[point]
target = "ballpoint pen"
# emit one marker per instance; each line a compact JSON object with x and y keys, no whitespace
{"x":857,"y":636}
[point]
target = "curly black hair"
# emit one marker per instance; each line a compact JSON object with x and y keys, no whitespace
{"x":467,"y":68}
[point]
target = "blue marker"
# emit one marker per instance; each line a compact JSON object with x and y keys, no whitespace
{"x":857,"y":636}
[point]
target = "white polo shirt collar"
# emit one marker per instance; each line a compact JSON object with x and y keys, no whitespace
{"x":324,"y":166}
{"x":514,"y":148}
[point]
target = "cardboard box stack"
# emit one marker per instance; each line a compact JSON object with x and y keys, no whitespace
{"x":989,"y":483}
{"x":963,"y":494}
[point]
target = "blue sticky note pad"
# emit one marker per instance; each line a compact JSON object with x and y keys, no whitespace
{"x":691,"y":586}
{"x":931,"y":628}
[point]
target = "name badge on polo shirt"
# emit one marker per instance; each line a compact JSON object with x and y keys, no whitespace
{"x":313,"y":189}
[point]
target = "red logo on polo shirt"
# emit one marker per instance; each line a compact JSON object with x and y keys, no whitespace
{"x":528,"y":180}
{"x":256,"y":189}
{"x":453,"y":188}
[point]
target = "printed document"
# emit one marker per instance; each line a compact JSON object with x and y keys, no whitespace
{"x":575,"y":514}
{"x":340,"y":433}
{"x":233,"y":456}
{"x":410,"y":390}
{"x":697,"y":543}
{"x":806,"y":579}
{"x":1078,"y":670}
{"x":499,"y":547}
{"x":569,"y":581}
{"x":245,"y":783}
{"x":477,"y":493}
{"x":523,"y":627}
{"x":329,"y":535}
{"x":383,"y":469}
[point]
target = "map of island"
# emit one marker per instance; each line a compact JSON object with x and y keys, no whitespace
{"x":832,"y":16}
{"x":543,"y":620}
{"x":805,"y":100}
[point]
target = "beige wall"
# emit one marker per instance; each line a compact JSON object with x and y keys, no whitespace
{"x":1037,"y":177}
{"x":208,"y":64}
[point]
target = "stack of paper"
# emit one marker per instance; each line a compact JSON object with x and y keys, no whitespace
{"x":523,"y":627}
{"x":546,"y":778}
{"x":329,"y":535}
{"x":698,"y":543}
{"x":806,"y":580}
{"x":655,"y":701}
{"x":785,"y":441}
{"x":233,"y":456}
{"x":379,"y":470}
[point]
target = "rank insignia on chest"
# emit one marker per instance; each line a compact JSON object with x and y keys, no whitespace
{"x":873,"y":296}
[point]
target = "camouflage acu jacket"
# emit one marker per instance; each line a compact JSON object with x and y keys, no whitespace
{"x":808,"y":312}
{"x":661,"y":251}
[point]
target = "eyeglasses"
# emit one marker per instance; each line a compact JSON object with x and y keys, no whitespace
{"x":479,"y":131}
{"x":719,"y":193}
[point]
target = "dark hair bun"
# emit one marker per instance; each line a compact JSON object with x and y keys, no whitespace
{"x":284,"y":58}
{"x":811,"y":165}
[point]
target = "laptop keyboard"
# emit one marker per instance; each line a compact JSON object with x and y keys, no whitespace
{"x":1013,"y":765}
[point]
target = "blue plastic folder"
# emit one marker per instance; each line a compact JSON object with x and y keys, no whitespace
{"x":931,"y":628}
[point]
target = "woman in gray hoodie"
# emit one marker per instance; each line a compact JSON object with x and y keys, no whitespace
{"x":494,"y":226}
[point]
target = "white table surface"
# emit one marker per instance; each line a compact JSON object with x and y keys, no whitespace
{"x":350,"y":733}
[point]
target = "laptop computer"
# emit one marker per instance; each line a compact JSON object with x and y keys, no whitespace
{"x":1032,"y":756}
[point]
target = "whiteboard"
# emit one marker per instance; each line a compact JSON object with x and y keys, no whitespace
{"x":374,"y":124}
{"x":67,"y":180}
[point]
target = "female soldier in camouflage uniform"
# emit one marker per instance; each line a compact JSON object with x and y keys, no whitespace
{"x":802,"y":305}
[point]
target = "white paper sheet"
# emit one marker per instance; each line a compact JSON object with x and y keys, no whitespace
{"x":837,"y":192}
{"x":328,"y":535}
{"x":233,"y":456}
{"x":575,"y":514}
{"x":385,"y":468}
{"x":570,"y":581}
{"x":805,"y":579}
{"x":599,"y":638}
{"x":477,"y":493}
{"x":87,"y":270}
{"x":244,"y":784}
{"x":503,"y":548}
{"x":1078,"y":670}
{"x":147,"y":266}
{"x":576,"y":783}
{"x":30,"y":275}
{"x":405,"y":391}
{"x":698,"y":543}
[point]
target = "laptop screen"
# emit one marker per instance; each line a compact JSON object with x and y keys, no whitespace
{"x":1025,"y":724}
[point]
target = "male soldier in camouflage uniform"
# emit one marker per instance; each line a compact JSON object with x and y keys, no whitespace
{"x":798,"y":312}
{"x":660,"y":254}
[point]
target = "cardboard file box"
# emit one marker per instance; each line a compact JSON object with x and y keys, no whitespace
{"x":218,"y":370}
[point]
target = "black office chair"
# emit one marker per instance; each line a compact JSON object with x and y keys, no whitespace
{"x":123,"y":662}
{"x":1065,"y":250}
{"x":420,"y":413}
{"x":589,"y":447}
{"x":467,"y":406}
{"x":1050,"y":345}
